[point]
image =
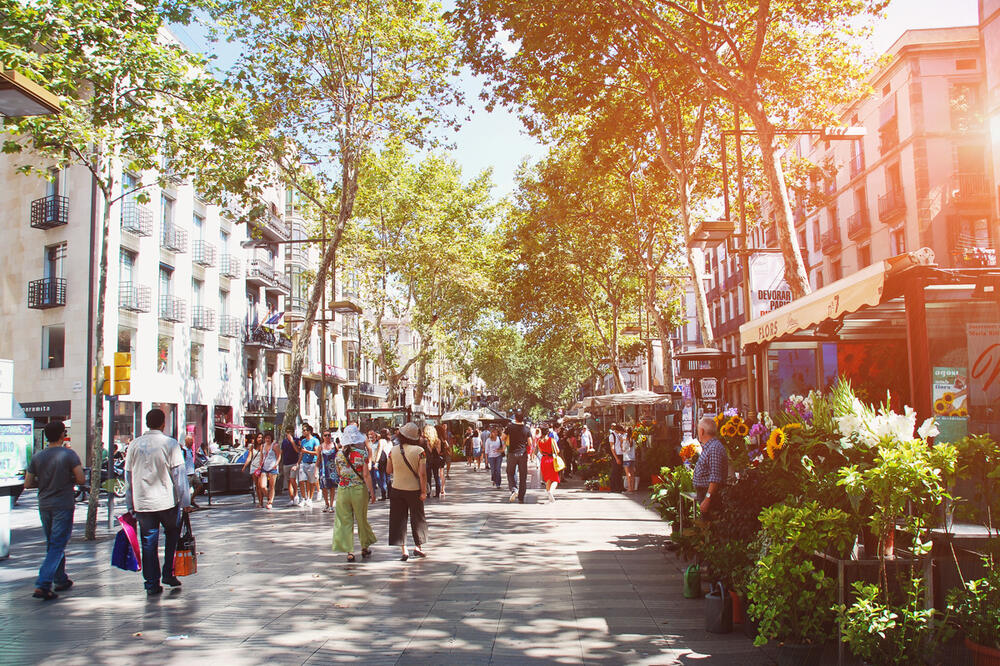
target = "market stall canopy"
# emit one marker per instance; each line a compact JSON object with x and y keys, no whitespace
{"x":862,"y":289}
{"x":490,"y":414}
{"x":636,"y":397}
{"x":460,"y":415}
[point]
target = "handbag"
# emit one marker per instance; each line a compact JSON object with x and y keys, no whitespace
{"x":186,"y":555}
{"x":558,"y":463}
{"x":122,"y":555}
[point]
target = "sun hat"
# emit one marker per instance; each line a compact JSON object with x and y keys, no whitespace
{"x":353,"y":435}
{"x":410,"y":431}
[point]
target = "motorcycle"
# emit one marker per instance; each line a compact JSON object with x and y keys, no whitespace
{"x":117,"y":486}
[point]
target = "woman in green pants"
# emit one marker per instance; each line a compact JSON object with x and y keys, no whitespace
{"x":353,"y":495}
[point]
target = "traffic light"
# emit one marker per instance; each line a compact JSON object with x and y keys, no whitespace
{"x":117,"y":378}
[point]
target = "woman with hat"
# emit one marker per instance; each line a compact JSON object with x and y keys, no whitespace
{"x":408,"y":466}
{"x":353,"y":495}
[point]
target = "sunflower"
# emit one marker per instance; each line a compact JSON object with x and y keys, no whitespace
{"x":962,"y":411}
{"x":948,"y":396}
{"x":775,"y":442}
{"x":728,"y":430}
{"x":942,"y":407}
{"x":742,"y":430}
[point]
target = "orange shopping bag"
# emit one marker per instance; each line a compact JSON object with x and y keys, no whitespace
{"x":186,"y":555}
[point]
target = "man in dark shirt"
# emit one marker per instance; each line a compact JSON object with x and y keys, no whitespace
{"x":54,"y":471}
{"x":290,"y":463}
{"x":516,"y":441}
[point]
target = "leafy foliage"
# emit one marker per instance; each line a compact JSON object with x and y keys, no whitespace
{"x":975,"y":606}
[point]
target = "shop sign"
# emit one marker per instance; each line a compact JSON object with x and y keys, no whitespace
{"x":709,"y":388}
{"x":983,"y":341}
{"x":36,"y":410}
{"x":768,"y":288}
{"x":950,"y":393}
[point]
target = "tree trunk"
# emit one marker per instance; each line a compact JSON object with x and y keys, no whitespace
{"x":349,"y":189}
{"x":97,"y":430}
{"x":795,"y":270}
{"x":419,"y":388}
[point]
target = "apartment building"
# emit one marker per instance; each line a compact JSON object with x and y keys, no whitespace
{"x":989,"y":34}
{"x":173,"y":302}
{"x":922,"y":176}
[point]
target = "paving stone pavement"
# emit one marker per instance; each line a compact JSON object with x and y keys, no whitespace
{"x":583,"y":580}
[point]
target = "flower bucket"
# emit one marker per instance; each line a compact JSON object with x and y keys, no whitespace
{"x":983,"y":655}
{"x":655,"y":478}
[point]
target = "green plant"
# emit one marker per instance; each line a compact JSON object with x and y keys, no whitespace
{"x":976,"y":607}
{"x":790,"y":598}
{"x":979,"y":462}
{"x":591,"y":484}
{"x":881,"y":633}
{"x":664,"y":497}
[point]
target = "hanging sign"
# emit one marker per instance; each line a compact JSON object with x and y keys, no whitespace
{"x":709,"y":388}
{"x":768,"y":288}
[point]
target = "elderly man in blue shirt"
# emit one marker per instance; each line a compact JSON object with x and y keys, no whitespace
{"x":712,"y":469}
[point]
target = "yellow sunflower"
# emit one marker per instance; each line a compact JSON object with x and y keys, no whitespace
{"x":962,"y":411}
{"x":942,"y":407}
{"x":948,"y":396}
{"x":728,"y":430}
{"x":775,"y":442}
{"x":742,"y":430}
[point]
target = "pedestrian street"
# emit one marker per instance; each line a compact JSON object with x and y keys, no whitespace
{"x":584,"y":580}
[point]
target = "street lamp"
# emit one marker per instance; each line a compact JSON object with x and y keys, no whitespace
{"x":20,"y":96}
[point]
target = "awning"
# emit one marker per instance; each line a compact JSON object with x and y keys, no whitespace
{"x":460,"y":415}
{"x":637,"y":397}
{"x":860,"y":290}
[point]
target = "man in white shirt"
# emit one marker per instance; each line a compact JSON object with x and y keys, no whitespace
{"x":157,"y":491}
{"x":586,"y":444}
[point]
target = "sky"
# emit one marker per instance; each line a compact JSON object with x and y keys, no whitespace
{"x":495,"y":140}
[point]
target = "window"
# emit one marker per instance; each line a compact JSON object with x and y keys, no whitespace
{"x":166,"y":279}
{"x":198,"y":223}
{"x":893,"y":178}
{"x":819,"y":279}
{"x":53,"y":346}
{"x":164,"y":354}
{"x":817,"y":235}
{"x":130,"y":183}
{"x":223,"y":240}
{"x":126,"y":263}
{"x":195,"y":359}
{"x":864,"y":256}
{"x":965,"y":64}
{"x":55,"y":260}
{"x":166,"y":216}
{"x":897,"y":241}
{"x":837,"y":270}
{"x":223,"y":303}
{"x":126,"y":340}
{"x":196,"y":286}
{"x":53,"y":186}
{"x":224,"y":365}
{"x":888,"y":130}
{"x":966,"y":107}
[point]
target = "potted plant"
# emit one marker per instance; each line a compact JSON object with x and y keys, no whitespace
{"x":882,"y":633}
{"x":664,"y":496}
{"x":791,"y":599}
{"x":975,"y":608}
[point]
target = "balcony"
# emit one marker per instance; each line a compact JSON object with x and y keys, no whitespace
{"x":261,"y":405}
{"x":173,"y":238}
{"x":271,"y":226}
{"x":891,"y":205}
{"x":260,"y":272}
{"x":970,"y":190}
{"x":279,"y":283}
{"x":136,"y":218}
{"x":831,"y":241}
{"x":134,"y":297}
{"x":49,"y":212}
{"x":297,"y":253}
{"x":858,"y":225}
{"x":46,"y":293}
{"x":352,"y":375}
{"x":857,"y":165}
{"x":296,"y":308}
{"x":203,"y":253}
{"x":229,"y":327}
{"x":172,"y":308}
{"x":260,"y":337}
{"x":202,"y":318}
{"x":367,"y":388}
{"x":283,"y":343}
{"x":229,"y":266}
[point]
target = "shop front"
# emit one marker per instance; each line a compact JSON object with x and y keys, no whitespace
{"x":43,"y":412}
{"x":901,"y":330}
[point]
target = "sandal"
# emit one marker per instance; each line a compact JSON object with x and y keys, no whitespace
{"x":404,"y":557}
{"x":419,"y":553}
{"x":366,"y":552}
{"x":350,"y":557}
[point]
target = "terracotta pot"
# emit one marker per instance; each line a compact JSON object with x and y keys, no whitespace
{"x":655,"y":478}
{"x":983,"y":655}
{"x":739,"y":617}
{"x":605,"y":489}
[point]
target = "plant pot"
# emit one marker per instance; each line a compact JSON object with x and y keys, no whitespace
{"x":739,"y":617}
{"x":795,"y":654}
{"x":655,"y":478}
{"x":983,"y":655}
{"x":605,"y":489}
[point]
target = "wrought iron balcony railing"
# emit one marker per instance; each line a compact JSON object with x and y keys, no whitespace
{"x":174,"y":239}
{"x":892,"y":204}
{"x":229,"y":327}
{"x":202,"y":318}
{"x":858,"y":225}
{"x":136,"y":218}
{"x":46,"y":293}
{"x":134,"y":297}
{"x":172,"y":308}
{"x":203,"y":253}
{"x":49,"y":212}
{"x":229,"y":266}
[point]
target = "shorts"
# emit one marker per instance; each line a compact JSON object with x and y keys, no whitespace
{"x":290,"y":471}
{"x":628,"y":463}
{"x":271,"y":472}
{"x":476,"y":453}
{"x":307,"y":472}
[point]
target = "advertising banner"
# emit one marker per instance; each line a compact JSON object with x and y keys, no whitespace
{"x":16,"y":442}
{"x":983,"y":342}
{"x":768,"y":288}
{"x":950,"y":393}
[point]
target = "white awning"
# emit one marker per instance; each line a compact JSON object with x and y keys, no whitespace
{"x":862,"y":289}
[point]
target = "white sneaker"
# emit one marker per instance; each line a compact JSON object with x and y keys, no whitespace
{"x":513,"y":496}
{"x":308,"y":503}
{"x":551,"y":496}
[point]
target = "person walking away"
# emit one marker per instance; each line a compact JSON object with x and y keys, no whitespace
{"x":548,"y":449}
{"x":628,"y":462}
{"x":586,"y":444}
{"x":468,"y":446}
{"x":328,"y":479}
{"x":477,"y":449}
{"x":444,"y":437}
{"x":712,"y":468}
{"x":189,"y":466}
{"x":408,"y":466}
{"x":353,"y":495}
{"x":382,"y":448}
{"x":436,"y":458}
{"x":516,"y":440}
{"x":269,"y":469}
{"x":156,"y":492}
{"x":494,"y":450}
{"x":253,"y":461}
{"x":615,"y":442}
{"x":54,"y":471}
{"x":290,"y":453}
{"x":308,"y":473}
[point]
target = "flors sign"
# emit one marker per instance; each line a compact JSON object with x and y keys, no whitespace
{"x":984,"y":363}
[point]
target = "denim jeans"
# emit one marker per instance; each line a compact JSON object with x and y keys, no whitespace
{"x":520,"y":464}
{"x":434,"y":478}
{"x":378,"y":480}
{"x":495,"y":470}
{"x":57,"y":525}
{"x":149,"y":537}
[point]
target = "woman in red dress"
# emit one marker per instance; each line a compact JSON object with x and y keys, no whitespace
{"x":548,"y":450}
